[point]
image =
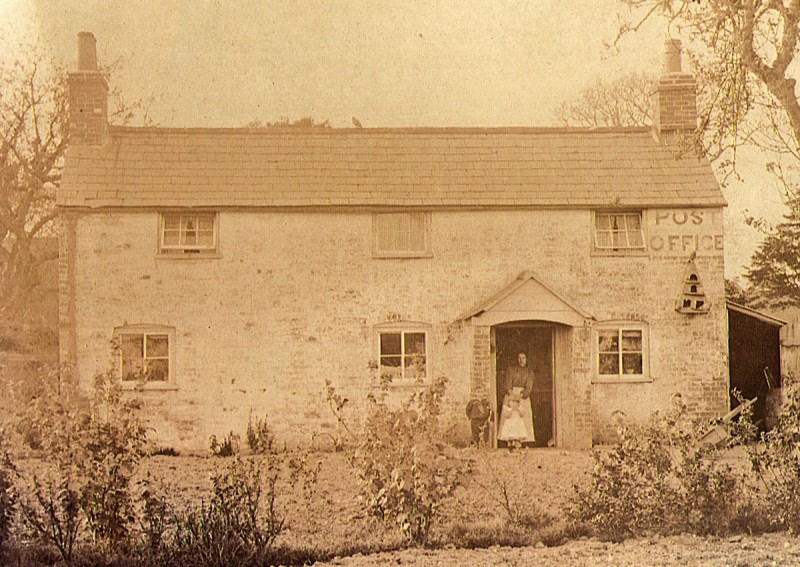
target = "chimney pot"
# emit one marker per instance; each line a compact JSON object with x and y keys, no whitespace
{"x":672,"y":56}
{"x":88,"y":97}
{"x":675,"y":104}
{"x":87,"y":52}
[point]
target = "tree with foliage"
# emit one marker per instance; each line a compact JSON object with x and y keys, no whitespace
{"x":742,"y":52}
{"x":624,"y":101}
{"x":775,"y":267}
{"x":736,"y":293}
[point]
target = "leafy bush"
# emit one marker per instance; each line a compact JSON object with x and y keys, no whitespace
{"x":52,"y":511}
{"x":92,"y":448}
{"x":154,"y":515}
{"x":336,"y":403}
{"x":510,"y":489}
{"x":8,"y":494}
{"x":657,"y":479}
{"x":164,"y":451}
{"x":260,"y":438}
{"x":406,"y":472}
{"x":228,"y":447}
{"x":775,"y":463}
{"x":43,"y":402}
{"x":112,"y":444}
{"x":239,"y":523}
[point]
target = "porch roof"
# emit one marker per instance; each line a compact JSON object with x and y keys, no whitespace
{"x":549,"y":305}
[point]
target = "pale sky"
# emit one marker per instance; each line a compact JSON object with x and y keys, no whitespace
{"x":388,"y":63}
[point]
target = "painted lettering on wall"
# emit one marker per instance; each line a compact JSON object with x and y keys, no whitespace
{"x":686,"y":230}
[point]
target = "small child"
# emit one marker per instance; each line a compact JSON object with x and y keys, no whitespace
{"x":512,"y":424}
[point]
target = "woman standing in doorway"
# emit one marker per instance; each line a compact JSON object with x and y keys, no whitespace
{"x":516,"y":416}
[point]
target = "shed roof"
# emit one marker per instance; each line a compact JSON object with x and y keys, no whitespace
{"x":424,"y":167}
{"x":759,"y":315}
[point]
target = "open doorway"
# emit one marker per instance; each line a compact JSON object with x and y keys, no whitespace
{"x":535,"y":340}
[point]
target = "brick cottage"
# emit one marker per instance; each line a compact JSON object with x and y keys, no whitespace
{"x":239,"y":269}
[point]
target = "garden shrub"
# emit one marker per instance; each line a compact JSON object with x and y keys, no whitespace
{"x":51,"y":511}
{"x":228,"y":447}
{"x":154,"y":514}
{"x":240,"y":521}
{"x":406,"y":471}
{"x":337,"y":403}
{"x":510,"y":489}
{"x":50,"y":503}
{"x":8,"y":494}
{"x":657,"y":479}
{"x":92,"y":448}
{"x":260,"y":437}
{"x":775,"y":462}
{"x":165,"y":451}
{"x":113,"y":441}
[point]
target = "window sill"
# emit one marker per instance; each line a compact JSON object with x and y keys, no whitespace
{"x":621,"y":253}
{"x":148,"y":387}
{"x":214,"y":256}
{"x":401,"y":255}
{"x":635,"y":379}
{"x":408,"y":385}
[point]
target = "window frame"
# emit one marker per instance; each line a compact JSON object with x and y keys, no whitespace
{"x":377,"y":252}
{"x":404,"y":329}
{"x":620,"y":327}
{"x":145,"y":330}
{"x":187,"y":251}
{"x":620,"y":251}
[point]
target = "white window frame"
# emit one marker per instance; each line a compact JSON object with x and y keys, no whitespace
{"x":627,"y":248}
{"x":145,"y":330}
{"x":620,"y":327}
{"x":404,"y":329}
{"x":379,"y":218}
{"x":182,"y":250}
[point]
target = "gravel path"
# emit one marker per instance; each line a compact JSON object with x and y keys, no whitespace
{"x":767,"y":550}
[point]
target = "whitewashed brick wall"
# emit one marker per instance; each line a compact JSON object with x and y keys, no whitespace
{"x":293,"y":299}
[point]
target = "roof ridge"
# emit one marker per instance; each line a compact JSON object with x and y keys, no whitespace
{"x":387,"y":130}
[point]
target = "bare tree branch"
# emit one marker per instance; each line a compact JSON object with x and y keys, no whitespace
{"x":620,"y":102}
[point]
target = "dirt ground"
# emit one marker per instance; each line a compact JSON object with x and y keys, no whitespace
{"x":537,"y":480}
{"x":688,"y":551}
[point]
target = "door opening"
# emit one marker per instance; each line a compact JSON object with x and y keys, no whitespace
{"x":535,"y":340}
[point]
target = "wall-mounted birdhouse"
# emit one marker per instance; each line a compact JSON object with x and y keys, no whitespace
{"x":692,"y":298}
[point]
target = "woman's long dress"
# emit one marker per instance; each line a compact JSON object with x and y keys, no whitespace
{"x":513,"y":426}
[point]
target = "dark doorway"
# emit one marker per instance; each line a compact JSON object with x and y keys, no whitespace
{"x":755,"y":361}
{"x":536,"y":341}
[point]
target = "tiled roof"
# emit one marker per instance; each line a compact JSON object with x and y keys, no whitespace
{"x":450,"y":167}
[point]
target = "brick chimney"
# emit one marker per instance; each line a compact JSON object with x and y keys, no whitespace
{"x":88,"y":96}
{"x":675,"y":104}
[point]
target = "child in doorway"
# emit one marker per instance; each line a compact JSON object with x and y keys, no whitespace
{"x":512,"y":423}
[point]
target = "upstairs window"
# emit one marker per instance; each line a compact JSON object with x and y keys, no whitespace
{"x":145,"y":354}
{"x":621,"y":352}
{"x":403,"y":356}
{"x":401,"y":235}
{"x":618,"y":231}
{"x":184,"y":233}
